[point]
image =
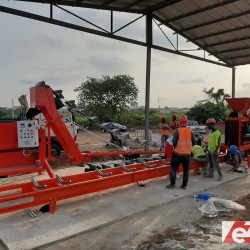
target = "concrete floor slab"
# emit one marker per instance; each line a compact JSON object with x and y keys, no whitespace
{"x":84,"y":214}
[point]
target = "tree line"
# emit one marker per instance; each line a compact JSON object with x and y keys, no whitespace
{"x":115,"y":99}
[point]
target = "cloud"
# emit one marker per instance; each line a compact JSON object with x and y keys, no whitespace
{"x":26,"y":81}
{"x":59,"y":75}
{"x":50,"y":41}
{"x":194,"y":80}
{"x":245,"y":85}
{"x":33,"y":51}
{"x":109,"y":64}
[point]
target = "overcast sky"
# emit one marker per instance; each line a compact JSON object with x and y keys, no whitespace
{"x":32,"y":51}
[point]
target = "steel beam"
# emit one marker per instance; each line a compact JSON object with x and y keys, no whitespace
{"x":232,"y":50}
{"x":68,"y":25}
{"x":178,"y":52}
{"x":83,"y":19}
{"x":227,"y":41}
{"x":149,"y":42}
{"x":243,"y":13}
{"x":100,"y":33}
{"x":187,"y":37}
{"x":126,"y":25}
{"x":108,"y":2}
{"x":85,"y":5}
{"x":111,"y":22}
{"x":51,"y":11}
{"x":134,"y":3}
{"x":161,"y":5}
{"x":233,"y":82}
{"x":237,"y":57}
{"x":164,"y":34}
{"x":222,"y":32}
{"x":210,"y":7}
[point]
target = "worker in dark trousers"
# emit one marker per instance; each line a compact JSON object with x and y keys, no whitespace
{"x":183,"y":140}
{"x":213,"y":148}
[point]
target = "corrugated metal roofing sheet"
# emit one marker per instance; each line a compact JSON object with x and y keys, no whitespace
{"x":222,"y":27}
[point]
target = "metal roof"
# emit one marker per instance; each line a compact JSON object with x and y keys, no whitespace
{"x":221,"y":27}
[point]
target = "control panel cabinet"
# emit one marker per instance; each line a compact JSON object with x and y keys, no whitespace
{"x":27,"y":134}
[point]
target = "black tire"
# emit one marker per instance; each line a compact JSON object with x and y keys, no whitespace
{"x":55,"y":150}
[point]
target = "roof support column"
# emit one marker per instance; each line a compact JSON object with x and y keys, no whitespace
{"x":149,"y":39}
{"x":233,"y":82}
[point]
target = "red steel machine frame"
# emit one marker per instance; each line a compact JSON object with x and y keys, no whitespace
{"x":56,"y":188}
{"x":52,"y":190}
{"x":236,"y":125}
{"x":14,"y":160}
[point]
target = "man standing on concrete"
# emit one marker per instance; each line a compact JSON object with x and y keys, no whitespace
{"x":214,"y":140}
{"x":183,"y":140}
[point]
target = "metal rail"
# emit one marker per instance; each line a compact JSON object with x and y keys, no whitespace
{"x":31,"y":195}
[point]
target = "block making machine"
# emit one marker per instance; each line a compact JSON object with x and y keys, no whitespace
{"x":29,"y":140}
{"x":237,"y":125}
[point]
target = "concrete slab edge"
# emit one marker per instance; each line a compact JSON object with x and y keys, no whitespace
{"x":2,"y":244}
{"x":129,"y":216}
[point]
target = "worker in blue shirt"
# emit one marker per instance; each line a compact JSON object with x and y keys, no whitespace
{"x":234,"y":156}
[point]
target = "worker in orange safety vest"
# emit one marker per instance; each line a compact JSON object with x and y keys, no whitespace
{"x":174,"y":124}
{"x":183,"y":140}
{"x":165,"y":130}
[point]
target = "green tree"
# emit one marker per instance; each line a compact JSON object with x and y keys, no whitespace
{"x":202,"y":111}
{"x":108,"y":97}
{"x":214,"y":106}
{"x":6,"y":113}
{"x":218,"y":96}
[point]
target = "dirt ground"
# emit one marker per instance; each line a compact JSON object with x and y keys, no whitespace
{"x":204,"y":233}
{"x":92,"y":141}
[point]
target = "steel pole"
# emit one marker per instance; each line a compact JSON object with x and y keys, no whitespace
{"x":233,"y":82}
{"x":148,"y":71}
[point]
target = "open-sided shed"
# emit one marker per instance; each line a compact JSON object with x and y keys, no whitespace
{"x":219,"y":27}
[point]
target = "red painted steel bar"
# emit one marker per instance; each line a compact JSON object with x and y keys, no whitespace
{"x":111,"y":153}
{"x":88,"y":156}
{"x":81,"y":184}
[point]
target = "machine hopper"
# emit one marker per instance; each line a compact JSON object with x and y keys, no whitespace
{"x":241,"y":105}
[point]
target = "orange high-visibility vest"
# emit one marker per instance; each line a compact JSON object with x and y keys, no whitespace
{"x":174,"y":125}
{"x":184,"y":144}
{"x":164,"y":129}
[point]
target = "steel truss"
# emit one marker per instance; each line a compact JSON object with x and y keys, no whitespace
{"x":148,"y":43}
{"x":97,"y":30}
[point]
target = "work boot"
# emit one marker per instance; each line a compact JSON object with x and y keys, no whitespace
{"x":170,"y":186}
{"x":220,"y":176}
{"x":205,"y":174}
{"x":210,"y":173}
{"x":183,"y":187}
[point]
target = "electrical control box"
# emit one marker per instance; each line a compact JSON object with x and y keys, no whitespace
{"x":27,"y":132}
